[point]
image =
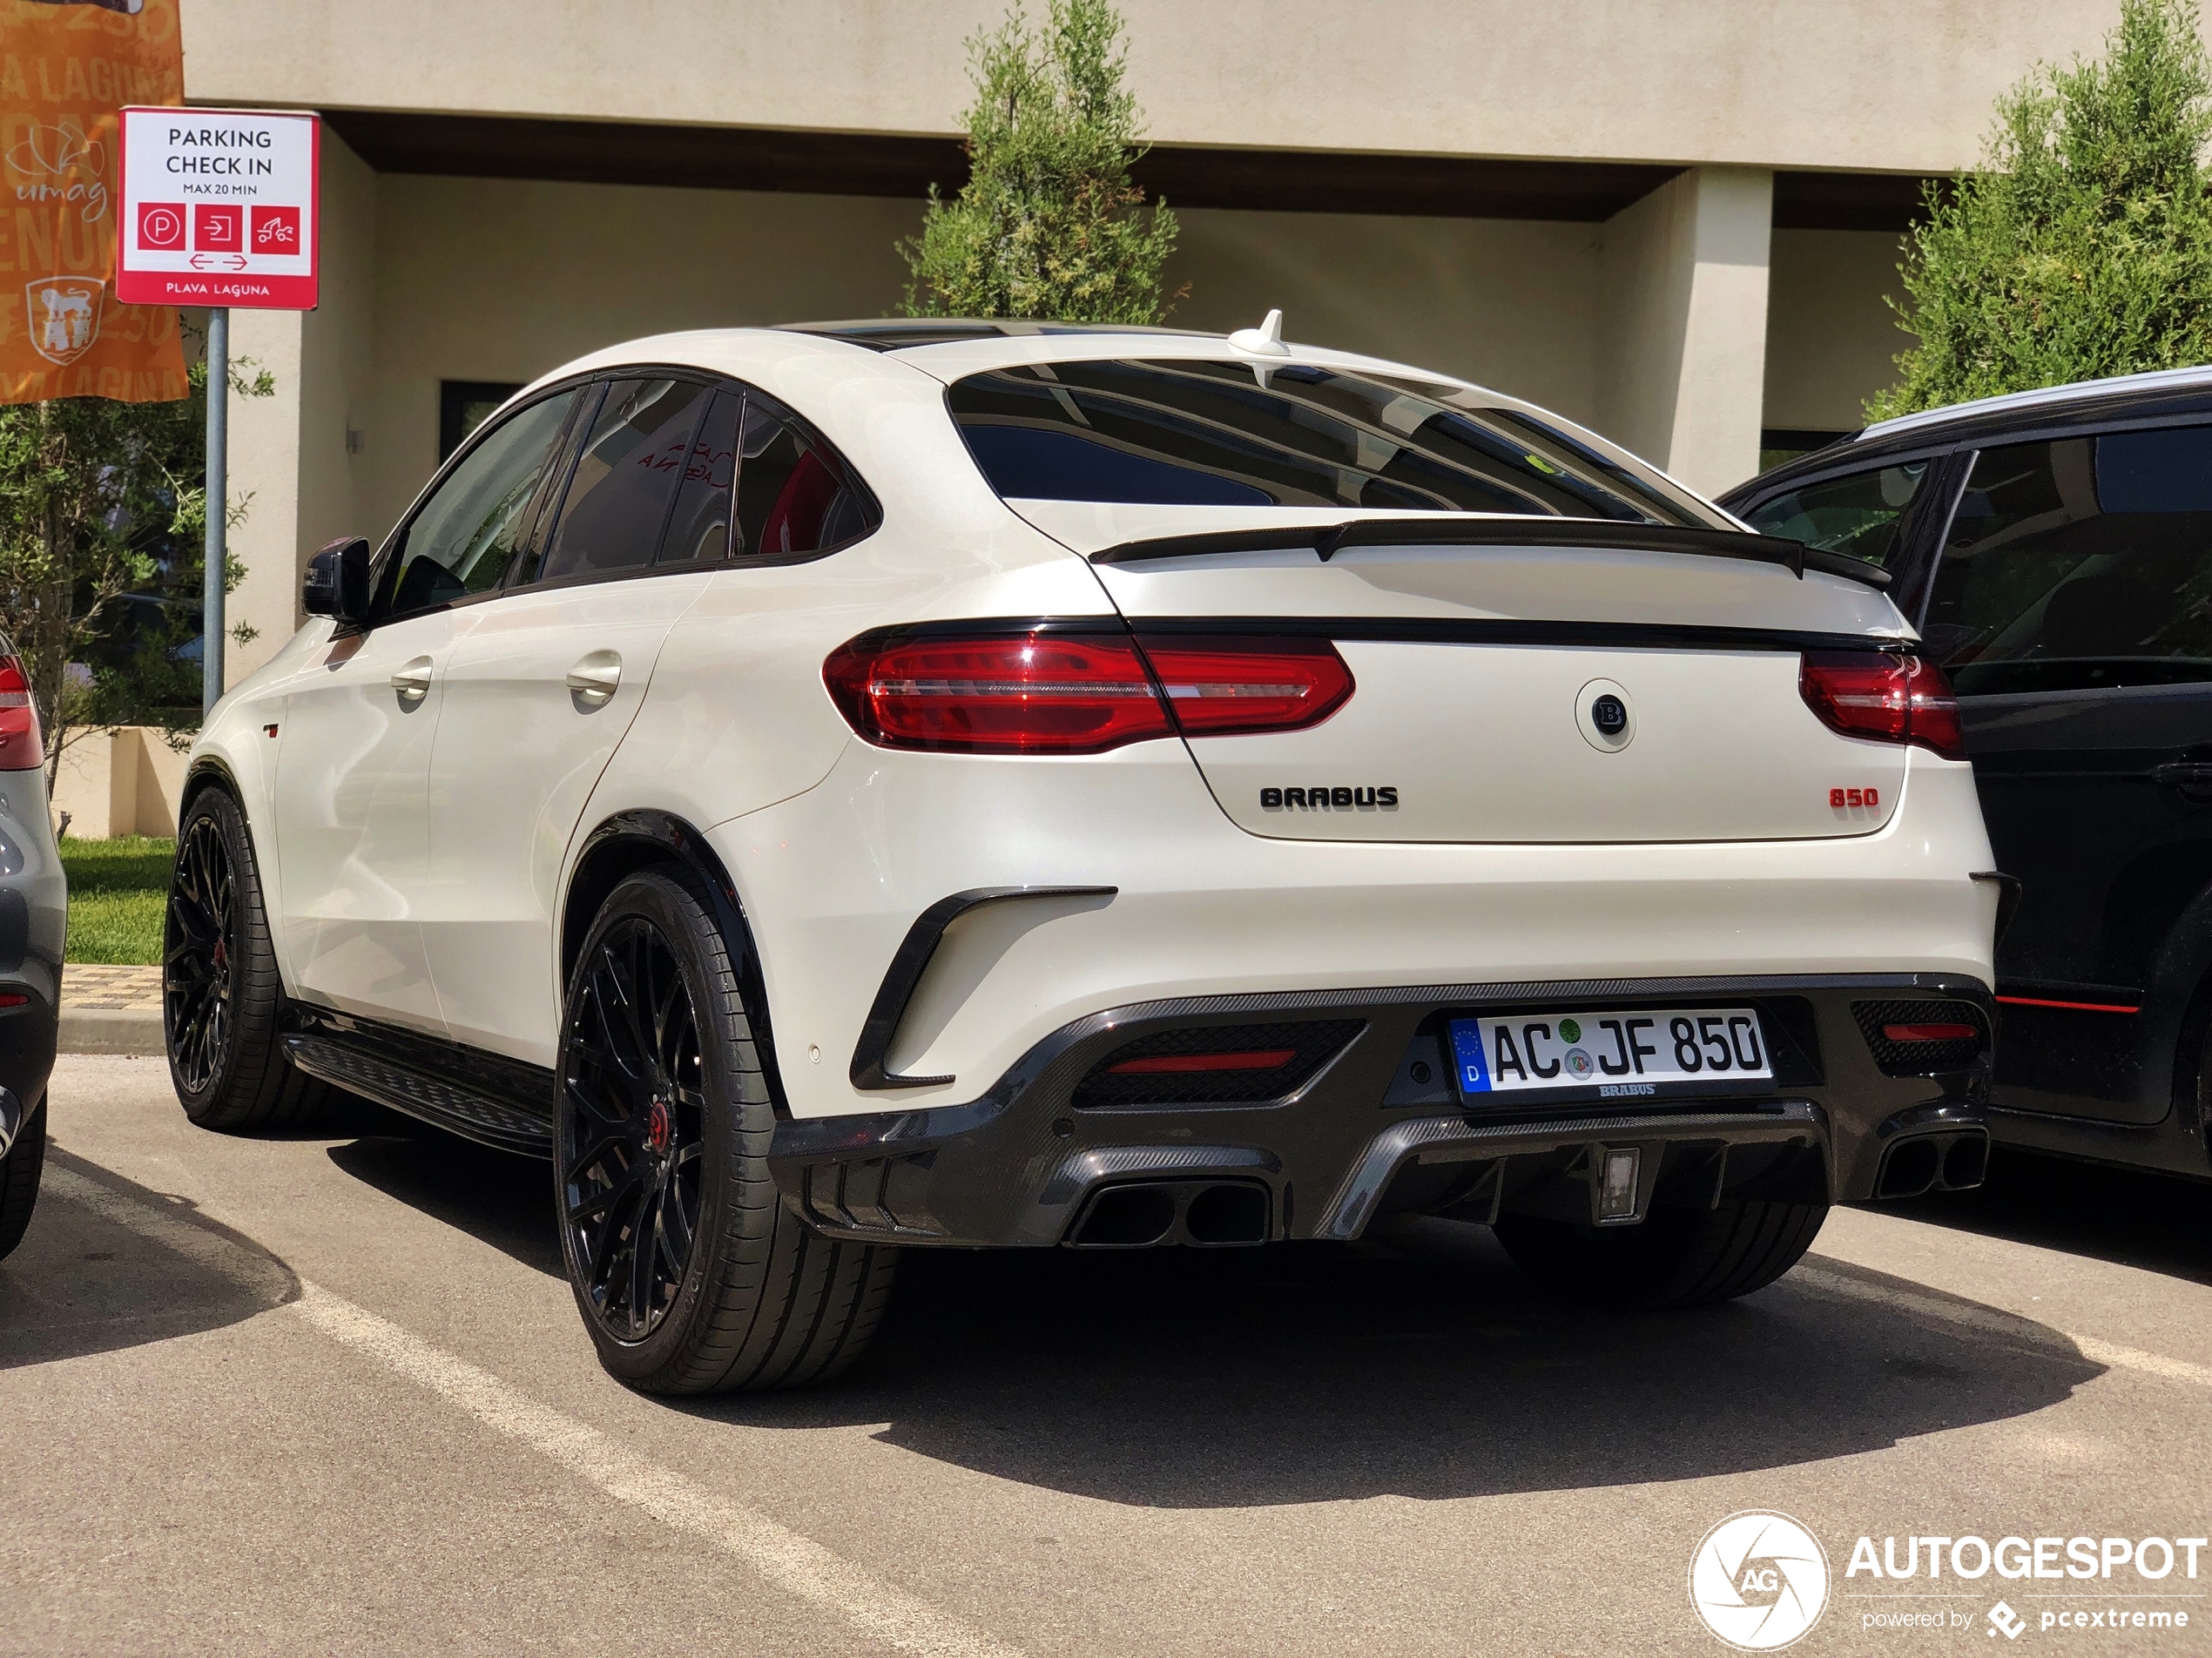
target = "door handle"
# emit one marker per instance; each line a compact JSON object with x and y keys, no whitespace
{"x":2192,"y":777}
{"x":412,"y":681}
{"x":595,"y":679}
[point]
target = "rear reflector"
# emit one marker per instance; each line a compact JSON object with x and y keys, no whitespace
{"x":1887,"y":698}
{"x":1268,"y":1058}
{"x":1067,"y":693}
{"x":20,"y":747}
{"x":1930,"y":1033}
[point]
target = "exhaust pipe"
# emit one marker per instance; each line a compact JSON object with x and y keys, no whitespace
{"x":1934,"y":1163}
{"x":1205,"y":1214}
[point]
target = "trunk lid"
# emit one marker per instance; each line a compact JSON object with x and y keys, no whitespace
{"x":1483,"y":674}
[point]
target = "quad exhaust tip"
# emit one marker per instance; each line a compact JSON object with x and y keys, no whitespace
{"x":1205,"y":1214}
{"x":1934,"y":1163}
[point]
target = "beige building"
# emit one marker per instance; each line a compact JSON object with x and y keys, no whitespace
{"x":1674,"y":220}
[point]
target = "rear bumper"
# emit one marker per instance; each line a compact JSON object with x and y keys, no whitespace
{"x":1024,"y":1165}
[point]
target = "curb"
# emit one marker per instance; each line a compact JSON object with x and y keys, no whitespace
{"x":111,"y":1030}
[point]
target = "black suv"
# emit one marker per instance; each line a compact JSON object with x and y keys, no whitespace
{"x":2054,"y":549}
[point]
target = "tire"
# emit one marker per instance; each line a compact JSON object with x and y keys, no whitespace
{"x":19,"y":1178}
{"x":221,"y":997}
{"x":1677,"y":1257}
{"x":660,"y":1141}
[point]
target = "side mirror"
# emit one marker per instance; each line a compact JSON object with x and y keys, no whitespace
{"x":337,"y":581}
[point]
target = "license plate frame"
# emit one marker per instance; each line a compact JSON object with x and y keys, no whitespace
{"x":1498,"y":1058}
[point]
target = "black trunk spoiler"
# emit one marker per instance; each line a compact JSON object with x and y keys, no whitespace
{"x":1327,"y":540}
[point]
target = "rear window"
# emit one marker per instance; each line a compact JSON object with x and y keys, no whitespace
{"x":1240,"y":435}
{"x":1860,"y":514}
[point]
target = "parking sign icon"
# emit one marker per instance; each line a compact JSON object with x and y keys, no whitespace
{"x":218,"y":229}
{"x":161,"y":225}
{"x":276,"y":230}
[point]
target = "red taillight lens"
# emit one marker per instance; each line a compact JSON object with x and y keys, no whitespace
{"x":1220,"y":687}
{"x":1930,"y":1033}
{"x":1076,"y":693}
{"x":1890,"y":699}
{"x":1025,"y":694}
{"x":20,"y":747}
{"x":1265,"y":1059}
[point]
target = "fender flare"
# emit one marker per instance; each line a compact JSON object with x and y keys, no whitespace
{"x":636,"y":840}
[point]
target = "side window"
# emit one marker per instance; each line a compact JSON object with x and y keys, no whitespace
{"x":465,"y":536}
{"x":792,"y":496}
{"x":1862,"y":516}
{"x":625,"y":478}
{"x":699,"y":527}
{"x":2077,"y":563}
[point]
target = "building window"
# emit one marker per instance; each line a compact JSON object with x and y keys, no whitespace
{"x":462,"y":405}
{"x":1780,"y":443}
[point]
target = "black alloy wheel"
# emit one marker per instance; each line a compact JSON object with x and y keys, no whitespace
{"x":633,"y":1098}
{"x":200,"y":955}
{"x":222,"y":998}
{"x":692,"y":1273}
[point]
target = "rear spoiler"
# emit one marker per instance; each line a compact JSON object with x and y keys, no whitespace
{"x":1471,"y":531}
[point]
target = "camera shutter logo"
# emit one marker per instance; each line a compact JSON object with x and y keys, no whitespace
{"x":1759,"y":1581}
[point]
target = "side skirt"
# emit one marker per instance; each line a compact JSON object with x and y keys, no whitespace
{"x":487,"y":1097}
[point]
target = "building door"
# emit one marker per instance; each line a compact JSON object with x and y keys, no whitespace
{"x":2072,"y":607}
{"x":540,"y":692}
{"x":353,"y":771}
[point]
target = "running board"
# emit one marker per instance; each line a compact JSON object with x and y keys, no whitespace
{"x":485,"y":1097}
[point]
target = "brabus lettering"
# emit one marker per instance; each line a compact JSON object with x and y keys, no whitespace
{"x":1843,"y":799}
{"x":1330,"y":797}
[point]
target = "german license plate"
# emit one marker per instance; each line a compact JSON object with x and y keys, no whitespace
{"x":1635,"y":1054}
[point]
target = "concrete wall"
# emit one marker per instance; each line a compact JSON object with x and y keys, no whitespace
{"x":1872,"y":84}
{"x":124,"y":782}
{"x":1830,"y":341}
{"x":1681,"y":335}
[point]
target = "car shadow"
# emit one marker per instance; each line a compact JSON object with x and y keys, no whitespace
{"x":1419,"y":1363}
{"x":2132,"y":1217}
{"x":81,"y":1283}
{"x":497,"y":1197}
{"x":1426,"y":1367}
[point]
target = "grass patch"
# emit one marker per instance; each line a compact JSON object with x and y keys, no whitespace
{"x":118,"y":892}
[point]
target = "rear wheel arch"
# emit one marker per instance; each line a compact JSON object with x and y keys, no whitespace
{"x":631,"y":841}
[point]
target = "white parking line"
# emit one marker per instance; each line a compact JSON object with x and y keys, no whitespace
{"x":2009,"y":1326}
{"x":791,"y":1560}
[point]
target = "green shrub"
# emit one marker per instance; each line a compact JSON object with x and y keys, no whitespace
{"x":1049,"y":224}
{"x":2083,"y":247}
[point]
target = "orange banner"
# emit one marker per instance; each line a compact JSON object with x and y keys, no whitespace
{"x":65,"y":67}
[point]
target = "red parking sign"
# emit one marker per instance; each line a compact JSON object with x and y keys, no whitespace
{"x":161,"y":224}
{"x":224,"y":203}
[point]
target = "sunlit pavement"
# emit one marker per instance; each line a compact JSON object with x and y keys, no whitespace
{"x":330,"y":1394}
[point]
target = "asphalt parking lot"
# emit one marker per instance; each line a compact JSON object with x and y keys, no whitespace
{"x":329,"y":1394}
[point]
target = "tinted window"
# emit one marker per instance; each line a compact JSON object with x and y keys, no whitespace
{"x":1861,"y":515}
{"x":625,"y":478}
{"x":792,"y":495}
{"x":2083,"y":562}
{"x":699,"y":528}
{"x":1228,"y":433}
{"x":466,"y":534}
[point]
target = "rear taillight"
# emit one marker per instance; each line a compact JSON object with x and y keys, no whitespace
{"x":1221,"y":686}
{"x":1888,"y":698}
{"x":1065,"y":693}
{"x":20,"y":747}
{"x":1026,"y":694}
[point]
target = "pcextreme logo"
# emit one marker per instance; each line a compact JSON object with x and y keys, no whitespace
{"x":1759,"y":1581}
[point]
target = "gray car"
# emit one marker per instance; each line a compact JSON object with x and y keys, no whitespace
{"x":34,"y":917}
